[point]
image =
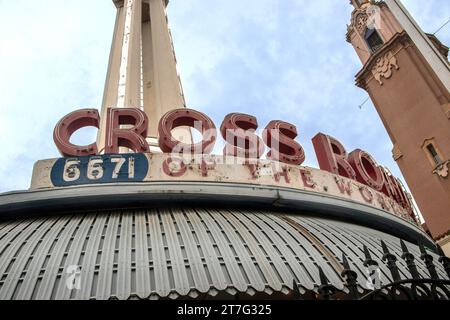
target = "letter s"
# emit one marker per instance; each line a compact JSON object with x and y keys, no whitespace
{"x":279,"y":136}
{"x":238,"y":130}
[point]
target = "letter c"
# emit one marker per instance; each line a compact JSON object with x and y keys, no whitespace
{"x":69,"y":125}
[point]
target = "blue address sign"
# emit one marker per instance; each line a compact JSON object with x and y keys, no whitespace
{"x":99,"y":169}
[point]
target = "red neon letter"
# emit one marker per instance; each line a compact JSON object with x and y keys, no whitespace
{"x":67,"y":127}
{"x":132,"y":138}
{"x":279,"y":137}
{"x":367,"y":170}
{"x":238,"y":130}
{"x":393,"y":189}
{"x":332,"y":156}
{"x":189,"y":118}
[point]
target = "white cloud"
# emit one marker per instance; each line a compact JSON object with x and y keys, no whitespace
{"x":51,"y":62}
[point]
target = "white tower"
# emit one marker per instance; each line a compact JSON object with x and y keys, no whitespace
{"x":142,"y":71}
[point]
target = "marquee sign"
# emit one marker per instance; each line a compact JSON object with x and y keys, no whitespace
{"x":355,"y":176}
{"x":116,"y":169}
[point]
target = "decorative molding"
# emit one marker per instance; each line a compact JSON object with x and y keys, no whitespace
{"x":398,"y":43}
{"x":383,"y":67}
{"x":352,"y":26}
{"x":120,"y":3}
{"x":361,"y":18}
{"x":396,"y":152}
{"x":444,"y":239}
{"x":358,"y":23}
{"x":443,"y":49}
{"x":361,"y":22}
{"x":443,"y":169}
{"x":427,"y":142}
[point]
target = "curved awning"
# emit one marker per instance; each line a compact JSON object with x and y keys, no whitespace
{"x":166,"y":252}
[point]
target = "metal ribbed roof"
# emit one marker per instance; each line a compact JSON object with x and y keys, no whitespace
{"x":180,"y":252}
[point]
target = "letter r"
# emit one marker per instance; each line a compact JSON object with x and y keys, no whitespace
{"x":126,"y":127}
{"x":332,"y":156}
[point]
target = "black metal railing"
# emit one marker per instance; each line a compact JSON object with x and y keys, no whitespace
{"x":416,"y":287}
{"x":413,"y":289}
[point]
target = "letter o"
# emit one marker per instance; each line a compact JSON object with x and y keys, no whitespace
{"x":170,"y":172}
{"x":366,"y":194}
{"x":366,"y":169}
{"x":189,"y":118}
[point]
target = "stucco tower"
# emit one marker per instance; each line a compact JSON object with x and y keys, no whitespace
{"x":142,"y":71}
{"x":407,"y":75}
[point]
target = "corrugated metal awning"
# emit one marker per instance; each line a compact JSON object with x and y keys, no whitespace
{"x":184,"y":252}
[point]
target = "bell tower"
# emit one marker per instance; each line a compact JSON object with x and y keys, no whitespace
{"x":406,"y":73}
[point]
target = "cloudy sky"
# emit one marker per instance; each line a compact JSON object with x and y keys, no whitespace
{"x":275,"y":59}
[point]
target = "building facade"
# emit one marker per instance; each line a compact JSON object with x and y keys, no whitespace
{"x":406,"y":73}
